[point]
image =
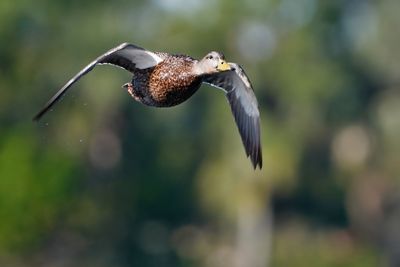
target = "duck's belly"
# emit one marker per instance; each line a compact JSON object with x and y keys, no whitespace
{"x":168,"y":95}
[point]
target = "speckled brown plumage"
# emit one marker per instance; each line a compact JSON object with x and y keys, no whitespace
{"x":169,"y":83}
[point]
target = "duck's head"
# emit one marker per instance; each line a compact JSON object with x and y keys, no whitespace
{"x":212,"y":62}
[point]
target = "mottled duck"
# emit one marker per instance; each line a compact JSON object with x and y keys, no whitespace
{"x":165,"y":80}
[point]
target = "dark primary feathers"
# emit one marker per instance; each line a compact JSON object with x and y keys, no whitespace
{"x":244,"y":108}
{"x":163,"y":80}
{"x":127,"y":56}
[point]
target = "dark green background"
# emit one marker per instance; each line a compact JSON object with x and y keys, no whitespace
{"x":105,"y":181}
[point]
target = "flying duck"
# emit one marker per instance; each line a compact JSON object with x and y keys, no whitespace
{"x":165,"y":80}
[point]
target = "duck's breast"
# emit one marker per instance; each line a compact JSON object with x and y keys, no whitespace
{"x":172,"y":81}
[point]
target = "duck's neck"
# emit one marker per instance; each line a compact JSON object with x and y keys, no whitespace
{"x":198,"y":68}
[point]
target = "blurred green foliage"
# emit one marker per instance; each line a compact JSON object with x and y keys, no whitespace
{"x":105,"y":181}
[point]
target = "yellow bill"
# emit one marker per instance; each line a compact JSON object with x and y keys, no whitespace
{"x":222,"y":66}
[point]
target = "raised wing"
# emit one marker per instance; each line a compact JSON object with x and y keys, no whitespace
{"x":127,"y":56}
{"x":244,"y":108}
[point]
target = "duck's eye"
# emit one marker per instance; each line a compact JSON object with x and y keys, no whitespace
{"x":210,"y":57}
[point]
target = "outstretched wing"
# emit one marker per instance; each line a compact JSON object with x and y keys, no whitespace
{"x":127,"y":56}
{"x":244,"y":106}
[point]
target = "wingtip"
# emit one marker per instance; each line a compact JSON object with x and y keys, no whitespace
{"x":260,"y":160}
{"x":36,"y":118}
{"x":257,"y":163}
{"x":256,"y":159}
{"x":260,"y":165}
{"x":39,"y":115}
